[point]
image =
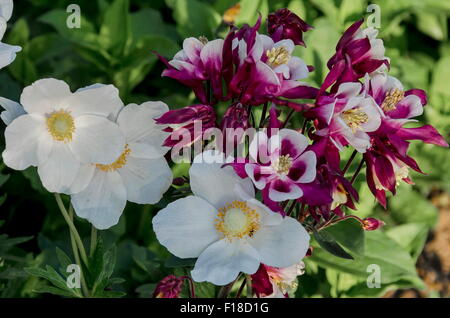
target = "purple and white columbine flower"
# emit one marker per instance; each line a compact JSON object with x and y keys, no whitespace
{"x":348,"y":116}
{"x":286,"y":167}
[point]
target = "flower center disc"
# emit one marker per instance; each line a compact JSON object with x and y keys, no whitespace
{"x":354,"y":118}
{"x":237,"y":220}
{"x":393,"y":97}
{"x":119,"y":163}
{"x":278,"y":56}
{"x":60,"y":125}
{"x":283,"y":164}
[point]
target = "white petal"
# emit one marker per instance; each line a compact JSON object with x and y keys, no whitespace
{"x":97,"y":140}
{"x":59,"y":171}
{"x":212,"y":53}
{"x":294,"y":193}
{"x":281,"y":245}
{"x":266,"y":41}
{"x":310,"y":161}
{"x":222,"y":262}
{"x":6,"y":9}
{"x":97,"y":99}
{"x":192,"y":48}
{"x":186,"y":226}
{"x":102,"y":201}
{"x":45,"y":96}
{"x":12,"y":110}
{"x":83,"y":178}
{"x":8,"y":54}
{"x":22,"y":137}
{"x":138,"y":125}
{"x":349,"y":90}
{"x":288,"y":44}
{"x":215,"y":184}
{"x":298,"y":68}
{"x":146,"y":180}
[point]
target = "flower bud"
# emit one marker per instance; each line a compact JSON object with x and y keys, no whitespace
{"x":371,"y":224}
{"x":284,"y":24}
{"x":184,"y":120}
{"x":169,"y":287}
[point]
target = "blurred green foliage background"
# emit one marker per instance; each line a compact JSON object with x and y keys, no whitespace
{"x":114,"y":45}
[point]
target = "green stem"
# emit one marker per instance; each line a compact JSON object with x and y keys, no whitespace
{"x":93,"y":241}
{"x":263,"y":115}
{"x":249,"y":286}
{"x":72,"y":227}
{"x":77,"y":256}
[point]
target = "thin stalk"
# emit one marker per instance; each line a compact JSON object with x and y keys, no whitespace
{"x":357,"y":171}
{"x":191,"y":286}
{"x":249,"y":286}
{"x":291,"y":208}
{"x":77,"y":256}
{"x":73,"y":229}
{"x":241,"y":288}
{"x":93,"y":245}
{"x":304,"y":126}
{"x":263,"y":115}
{"x":349,"y":162}
{"x":225,"y":290}
{"x":288,"y":118}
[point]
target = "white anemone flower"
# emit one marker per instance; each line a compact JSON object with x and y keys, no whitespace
{"x":62,"y":130}
{"x":7,"y":52}
{"x":140,"y":174}
{"x":226,"y":227}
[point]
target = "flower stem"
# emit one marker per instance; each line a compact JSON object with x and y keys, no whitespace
{"x":349,"y":162}
{"x":73,"y":230}
{"x":93,"y":241}
{"x":77,"y":257}
{"x":357,"y":171}
{"x":225,"y":290}
{"x":288,"y":118}
{"x":249,"y":286}
{"x":191,"y":286}
{"x":263,"y":116}
{"x":241,"y":288}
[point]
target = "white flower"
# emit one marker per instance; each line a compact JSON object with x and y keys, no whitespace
{"x":284,"y":280}
{"x":7,"y":52}
{"x":12,"y":110}
{"x":61,"y":130}
{"x":140,"y":174}
{"x":225,"y":227}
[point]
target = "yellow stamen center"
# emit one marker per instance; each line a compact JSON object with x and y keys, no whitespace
{"x":119,"y":163}
{"x":282,"y":165}
{"x":354,"y":118}
{"x":237,"y":220}
{"x":393,"y":97}
{"x":203,"y":39}
{"x":60,"y":125}
{"x":278,"y":56}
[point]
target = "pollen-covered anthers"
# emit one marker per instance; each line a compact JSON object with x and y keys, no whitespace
{"x":282,"y":165}
{"x":278,"y":56}
{"x":203,"y":39}
{"x":237,"y":220}
{"x":60,"y":125}
{"x":354,"y":118}
{"x":119,"y":163}
{"x":393,"y":97}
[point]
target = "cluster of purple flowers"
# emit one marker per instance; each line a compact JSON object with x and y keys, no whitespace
{"x":358,"y":105}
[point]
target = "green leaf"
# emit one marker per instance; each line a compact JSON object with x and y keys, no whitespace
{"x":19,"y":34}
{"x":195,"y":18}
{"x":327,"y":242}
{"x":250,"y":10}
{"x":394,"y":261}
{"x":348,"y":233}
{"x":174,"y":261}
{"x":411,"y":236}
{"x":115,"y":31}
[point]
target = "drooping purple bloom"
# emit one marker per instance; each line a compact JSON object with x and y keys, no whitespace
{"x":284,"y":24}
{"x":169,"y":287}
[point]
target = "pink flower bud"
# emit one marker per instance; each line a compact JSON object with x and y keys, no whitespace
{"x":371,"y":224}
{"x":169,"y":287}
